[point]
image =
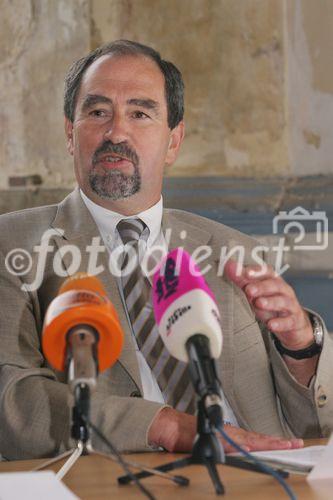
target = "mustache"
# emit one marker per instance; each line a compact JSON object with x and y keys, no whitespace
{"x":122,"y":149}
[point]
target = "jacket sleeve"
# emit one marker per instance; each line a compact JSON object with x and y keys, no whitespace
{"x":307,"y":411}
{"x":35,"y":401}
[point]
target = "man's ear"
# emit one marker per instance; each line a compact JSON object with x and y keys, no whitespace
{"x":69,"y":135}
{"x":176,"y":139}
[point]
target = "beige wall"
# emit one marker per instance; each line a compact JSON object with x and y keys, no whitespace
{"x":232,"y":58}
{"x":310,"y":85}
{"x":258,"y":73}
{"x":39,"y":39}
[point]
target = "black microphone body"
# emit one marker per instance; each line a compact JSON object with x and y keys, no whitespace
{"x":203,"y":373}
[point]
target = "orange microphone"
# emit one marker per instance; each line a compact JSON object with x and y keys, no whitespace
{"x":81,"y":332}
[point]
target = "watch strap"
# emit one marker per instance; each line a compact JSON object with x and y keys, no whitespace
{"x":308,"y":352}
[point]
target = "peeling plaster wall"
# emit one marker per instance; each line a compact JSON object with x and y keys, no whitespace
{"x":232,"y":57}
{"x":39,"y":40}
{"x":310,"y":85}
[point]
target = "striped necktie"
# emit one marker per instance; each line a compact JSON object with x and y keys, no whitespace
{"x":171,"y":375}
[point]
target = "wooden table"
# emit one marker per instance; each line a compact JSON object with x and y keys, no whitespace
{"x":95,"y":478}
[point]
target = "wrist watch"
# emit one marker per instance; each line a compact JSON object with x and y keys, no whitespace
{"x":308,"y":352}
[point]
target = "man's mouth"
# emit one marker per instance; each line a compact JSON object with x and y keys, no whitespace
{"x":112,"y":160}
{"x":115,"y":156}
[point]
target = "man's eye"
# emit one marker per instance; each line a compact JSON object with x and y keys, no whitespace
{"x":140,"y":114}
{"x":98,"y":112}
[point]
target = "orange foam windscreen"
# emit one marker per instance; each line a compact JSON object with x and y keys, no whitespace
{"x":82,"y":300}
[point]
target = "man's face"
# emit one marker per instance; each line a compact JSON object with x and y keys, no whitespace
{"x":120,"y":137}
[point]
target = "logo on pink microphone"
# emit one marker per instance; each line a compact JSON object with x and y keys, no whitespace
{"x":167,"y":284}
{"x":178,"y":313}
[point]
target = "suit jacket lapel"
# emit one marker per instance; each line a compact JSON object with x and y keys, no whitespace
{"x":79,"y":230}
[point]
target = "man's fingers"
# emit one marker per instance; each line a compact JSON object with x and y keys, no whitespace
{"x":267,"y":287}
{"x":260,"y":272}
{"x":235,"y":272}
{"x":279,"y":304}
{"x":274,"y":302}
{"x":244,"y":275}
{"x":283,"y":325}
{"x":273,"y":444}
{"x":253,"y":441}
{"x":264,"y":316}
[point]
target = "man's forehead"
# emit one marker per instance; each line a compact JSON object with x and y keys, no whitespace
{"x":125,"y":72}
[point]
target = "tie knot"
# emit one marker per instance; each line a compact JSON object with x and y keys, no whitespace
{"x":130,"y":230}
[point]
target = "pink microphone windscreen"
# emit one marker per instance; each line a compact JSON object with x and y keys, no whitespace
{"x":177,"y":275}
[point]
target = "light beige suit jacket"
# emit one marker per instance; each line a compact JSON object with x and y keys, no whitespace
{"x":35,"y":401}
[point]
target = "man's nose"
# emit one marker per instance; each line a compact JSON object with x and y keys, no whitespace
{"x":117,"y":129}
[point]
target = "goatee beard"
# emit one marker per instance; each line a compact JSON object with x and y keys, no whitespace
{"x":114,"y":184}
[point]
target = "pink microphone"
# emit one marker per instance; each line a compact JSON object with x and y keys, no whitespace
{"x":188,"y":321}
{"x":184,"y":305}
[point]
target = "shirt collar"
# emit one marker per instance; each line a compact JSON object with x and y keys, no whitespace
{"x":107,"y":220}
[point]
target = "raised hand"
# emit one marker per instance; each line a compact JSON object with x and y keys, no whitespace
{"x":274,"y":302}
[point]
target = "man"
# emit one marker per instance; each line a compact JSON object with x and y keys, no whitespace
{"x":124,"y":124}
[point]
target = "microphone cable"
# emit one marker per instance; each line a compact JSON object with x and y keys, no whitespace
{"x":119,"y":458}
{"x":264,"y":467}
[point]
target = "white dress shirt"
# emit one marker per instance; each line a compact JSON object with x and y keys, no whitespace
{"x":106,"y":221}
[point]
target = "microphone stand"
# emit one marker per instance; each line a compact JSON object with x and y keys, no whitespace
{"x":82,"y":373}
{"x":79,"y":432}
{"x":208,"y":451}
